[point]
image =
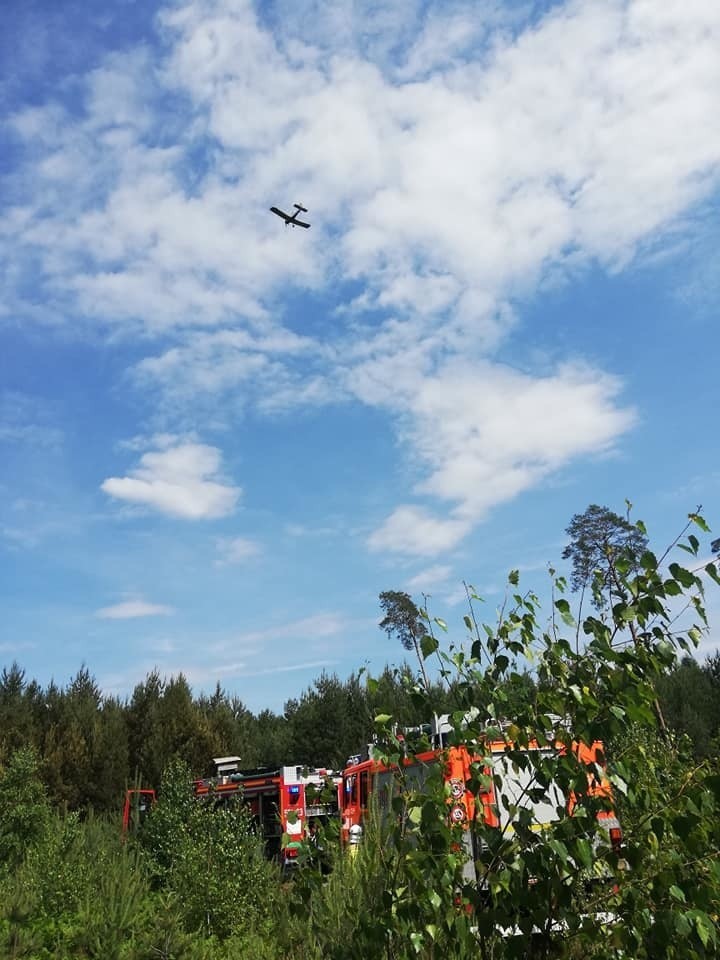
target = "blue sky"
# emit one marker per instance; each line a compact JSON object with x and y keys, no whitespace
{"x":221,"y":438}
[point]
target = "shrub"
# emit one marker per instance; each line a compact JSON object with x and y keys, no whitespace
{"x":210,"y":857}
{"x":24,"y":807}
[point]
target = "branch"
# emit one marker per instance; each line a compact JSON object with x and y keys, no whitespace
{"x":475,"y":623}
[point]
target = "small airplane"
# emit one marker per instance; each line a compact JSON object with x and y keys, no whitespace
{"x":294,"y":218}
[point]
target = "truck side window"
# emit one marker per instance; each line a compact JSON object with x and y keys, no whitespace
{"x":364,"y":789}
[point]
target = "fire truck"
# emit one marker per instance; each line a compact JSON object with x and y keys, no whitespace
{"x":283,"y":800}
{"x":138,"y":803}
{"x":366,"y":779}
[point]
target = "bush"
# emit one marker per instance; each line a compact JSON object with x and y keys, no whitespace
{"x":24,"y":807}
{"x":210,"y":857}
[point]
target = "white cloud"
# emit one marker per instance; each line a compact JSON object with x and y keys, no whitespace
{"x":373,"y":29}
{"x":291,"y":667}
{"x":158,"y":441}
{"x":243,"y":655}
{"x":24,"y":419}
{"x":449,"y":36}
{"x":488,"y":430}
{"x":453,"y":157}
{"x":302,"y":530}
{"x":413,"y":530}
{"x":182,"y":481}
{"x":487,"y":433}
{"x":429,"y":579}
{"x":35,"y":531}
{"x":319,"y":625}
{"x":236,"y":550}
{"x":579,"y":137}
{"x":132,"y":609}
{"x":203,"y":676}
{"x":458,"y":595}
{"x":276,"y":369}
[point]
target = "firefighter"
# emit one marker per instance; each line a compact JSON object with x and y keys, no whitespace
{"x":355,"y":837}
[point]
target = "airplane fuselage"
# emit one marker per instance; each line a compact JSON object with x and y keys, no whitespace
{"x":293,"y":219}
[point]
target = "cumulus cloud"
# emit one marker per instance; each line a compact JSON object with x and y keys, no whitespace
{"x":489,"y":431}
{"x":414,"y":530}
{"x":486,"y":433}
{"x":574,"y":139}
{"x":132,"y":609}
{"x":453,"y":157}
{"x":182,"y":481}
{"x":275,"y":370}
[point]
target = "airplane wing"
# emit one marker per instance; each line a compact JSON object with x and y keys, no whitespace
{"x":281,"y":213}
{"x":299,"y":223}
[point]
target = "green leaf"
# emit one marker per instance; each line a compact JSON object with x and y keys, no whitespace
{"x":676,"y":893}
{"x":501,"y":663}
{"x":563,"y":608}
{"x":417,"y":941}
{"x":682,"y":575}
{"x":382,"y":719}
{"x":711,"y":571}
{"x":435,"y":903}
{"x":693,"y":547}
{"x":583,"y":851}
{"x":468,"y":622}
{"x":697,"y":519}
{"x":441,"y":623}
{"x":705,"y":929}
{"x":428,"y":645}
{"x":618,"y":782}
{"x":514,"y":577}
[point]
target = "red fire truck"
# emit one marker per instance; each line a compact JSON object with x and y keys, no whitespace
{"x":138,"y":804}
{"x":283,"y":800}
{"x":364,"y":778}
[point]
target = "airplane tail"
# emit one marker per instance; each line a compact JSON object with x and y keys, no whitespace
{"x":300,"y":207}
